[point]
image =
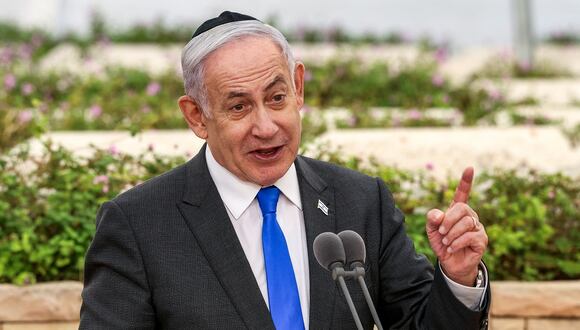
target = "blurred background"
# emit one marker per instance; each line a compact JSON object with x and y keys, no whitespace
{"x":409,"y":91}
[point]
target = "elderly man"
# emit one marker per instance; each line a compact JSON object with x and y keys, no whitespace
{"x":225,"y":240}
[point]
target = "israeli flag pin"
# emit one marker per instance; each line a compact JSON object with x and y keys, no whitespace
{"x":322,"y":207}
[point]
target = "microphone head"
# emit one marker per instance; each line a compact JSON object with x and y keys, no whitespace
{"x":354,"y":247}
{"x":328,"y":250}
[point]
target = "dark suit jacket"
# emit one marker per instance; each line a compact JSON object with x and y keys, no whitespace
{"x":166,"y":256}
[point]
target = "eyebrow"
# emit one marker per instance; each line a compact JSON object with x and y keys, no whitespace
{"x":277,"y":80}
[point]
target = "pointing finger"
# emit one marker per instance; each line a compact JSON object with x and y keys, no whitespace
{"x":464,"y":187}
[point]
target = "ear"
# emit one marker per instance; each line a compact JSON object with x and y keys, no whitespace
{"x":193,"y":116}
{"x":299,"y":83}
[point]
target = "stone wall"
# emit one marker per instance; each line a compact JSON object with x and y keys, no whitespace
{"x":516,"y":306}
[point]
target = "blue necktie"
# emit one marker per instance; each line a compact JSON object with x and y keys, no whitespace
{"x":282,"y":289}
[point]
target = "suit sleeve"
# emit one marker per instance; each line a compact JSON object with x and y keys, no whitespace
{"x":116,"y":293}
{"x":412,"y":294}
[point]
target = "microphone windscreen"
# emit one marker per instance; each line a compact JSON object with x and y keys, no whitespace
{"x":328,"y":249}
{"x":354,"y":246}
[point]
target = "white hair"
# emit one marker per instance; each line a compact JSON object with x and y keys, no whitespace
{"x":200,"y":47}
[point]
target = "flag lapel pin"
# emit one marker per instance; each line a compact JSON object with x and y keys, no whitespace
{"x":322,"y":207}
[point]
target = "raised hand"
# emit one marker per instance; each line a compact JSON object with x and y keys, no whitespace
{"x":456,"y":235}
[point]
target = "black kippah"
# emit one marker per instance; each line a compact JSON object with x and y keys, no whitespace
{"x":223,"y":18}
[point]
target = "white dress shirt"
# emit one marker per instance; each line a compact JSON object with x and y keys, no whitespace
{"x":239,"y":198}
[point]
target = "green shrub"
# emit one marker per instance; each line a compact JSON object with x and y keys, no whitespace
{"x":48,"y":204}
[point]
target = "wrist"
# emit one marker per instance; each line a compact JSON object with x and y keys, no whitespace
{"x":469,"y":279}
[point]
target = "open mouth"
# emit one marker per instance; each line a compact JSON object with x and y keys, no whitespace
{"x":267,"y":153}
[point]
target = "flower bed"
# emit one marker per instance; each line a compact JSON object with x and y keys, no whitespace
{"x":48,"y":205}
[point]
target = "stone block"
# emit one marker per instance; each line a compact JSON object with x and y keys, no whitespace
{"x":54,"y":301}
{"x":553,"y":324}
{"x":501,"y":323}
{"x":41,"y":326}
{"x":557,"y":299}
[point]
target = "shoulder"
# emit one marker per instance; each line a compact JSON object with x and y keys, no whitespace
{"x":165,"y":188}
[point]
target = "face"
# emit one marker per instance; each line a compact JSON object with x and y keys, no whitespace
{"x":254,"y":129}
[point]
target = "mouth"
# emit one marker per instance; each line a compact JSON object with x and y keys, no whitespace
{"x":266,"y":154}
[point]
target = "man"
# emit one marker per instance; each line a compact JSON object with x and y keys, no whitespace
{"x":225,"y":240}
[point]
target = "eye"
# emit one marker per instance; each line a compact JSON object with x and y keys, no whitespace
{"x":238,"y":108}
{"x":278,"y":98}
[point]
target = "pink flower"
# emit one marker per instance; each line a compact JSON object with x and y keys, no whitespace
{"x":351,"y":121}
{"x":95,"y":111}
{"x":25,"y":116}
{"x":146,"y":109}
{"x":525,"y":66}
{"x":113,"y":150}
{"x":437,"y":80}
{"x":27,"y":89}
{"x":551,"y":194}
{"x":494,"y":94}
{"x":150,"y":147}
{"x":307,"y":75}
{"x":101,"y":179}
{"x":153,"y":88}
{"x":414,"y":114}
{"x":9,"y":81}
{"x":306,"y":109}
{"x":429,"y":166}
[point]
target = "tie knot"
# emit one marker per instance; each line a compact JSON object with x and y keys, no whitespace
{"x":268,"y":199}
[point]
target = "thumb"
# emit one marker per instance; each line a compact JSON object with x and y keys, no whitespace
{"x":434,"y":219}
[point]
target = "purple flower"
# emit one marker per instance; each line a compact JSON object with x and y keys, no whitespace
{"x":441,"y":55}
{"x":437,"y":80}
{"x":25,"y":116}
{"x":429,"y":166}
{"x":25,"y":51}
{"x":153,"y":88}
{"x":113,"y":150}
{"x":95,"y":111}
{"x":9,"y":81}
{"x":414,"y":114}
{"x":27,"y":89}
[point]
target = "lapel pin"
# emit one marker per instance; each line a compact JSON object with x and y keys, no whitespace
{"x":322,"y":207}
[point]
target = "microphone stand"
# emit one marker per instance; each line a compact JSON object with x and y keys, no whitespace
{"x":358,"y":272}
{"x":338,"y":273}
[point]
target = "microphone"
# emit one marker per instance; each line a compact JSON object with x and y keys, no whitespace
{"x":330,"y":254}
{"x":354,"y":248}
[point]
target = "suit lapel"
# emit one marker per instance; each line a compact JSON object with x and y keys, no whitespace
{"x":322,"y":288}
{"x":208,"y":220}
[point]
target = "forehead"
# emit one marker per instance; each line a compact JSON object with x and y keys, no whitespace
{"x":244,"y":60}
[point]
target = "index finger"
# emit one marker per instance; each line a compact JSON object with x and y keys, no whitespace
{"x":464,"y":187}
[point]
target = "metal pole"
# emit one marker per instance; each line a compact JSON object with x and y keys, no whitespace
{"x":523,"y":34}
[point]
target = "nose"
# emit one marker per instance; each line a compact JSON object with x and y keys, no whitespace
{"x":264,"y":125}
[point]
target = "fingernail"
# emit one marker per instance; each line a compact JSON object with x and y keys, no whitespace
{"x":442,"y":230}
{"x":445,"y":241}
{"x":449,"y":250}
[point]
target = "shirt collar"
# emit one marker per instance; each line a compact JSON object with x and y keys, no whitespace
{"x":237,"y":194}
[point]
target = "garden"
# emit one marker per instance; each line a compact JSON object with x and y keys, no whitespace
{"x":50,"y":193}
